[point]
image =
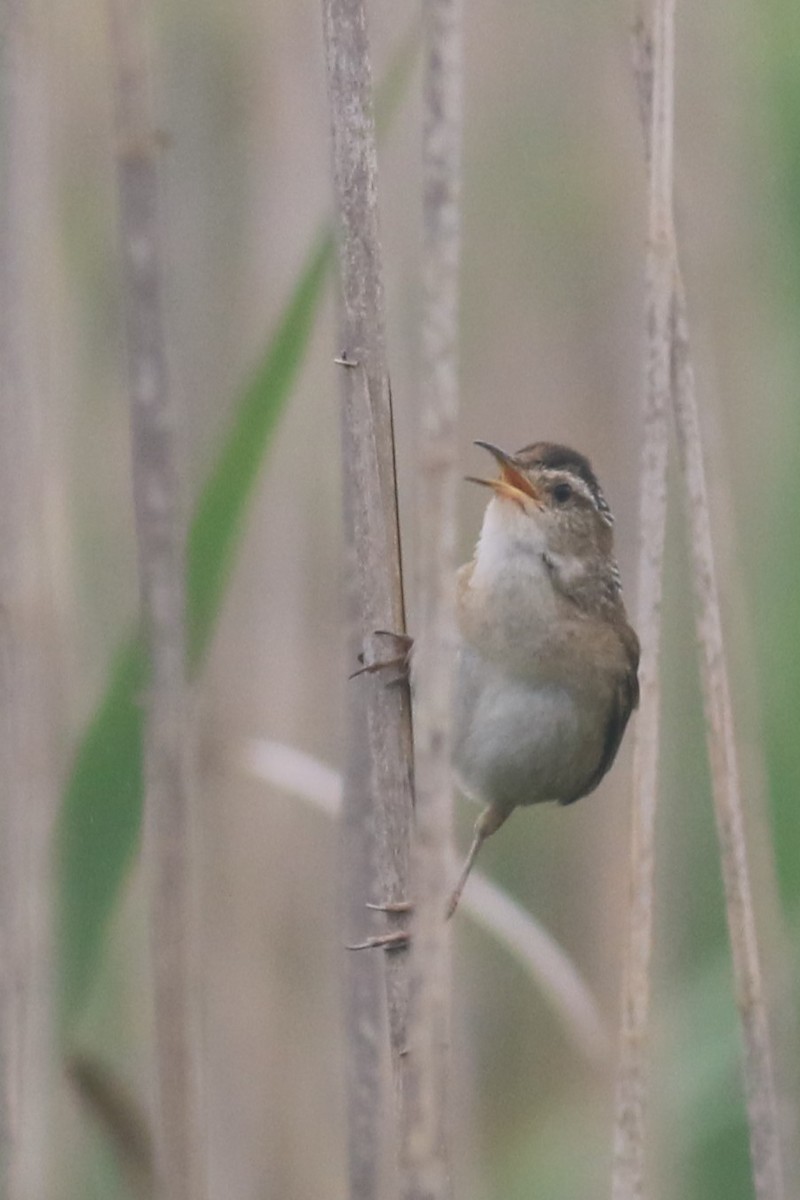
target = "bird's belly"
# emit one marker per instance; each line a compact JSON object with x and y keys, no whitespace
{"x":519,"y":741}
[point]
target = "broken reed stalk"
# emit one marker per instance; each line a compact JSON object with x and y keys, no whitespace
{"x":425,"y":1145}
{"x":27,"y":801}
{"x":116,"y":1112}
{"x":628,"y":1172}
{"x":161,"y":536}
{"x":382,"y":798}
{"x":763,"y":1109}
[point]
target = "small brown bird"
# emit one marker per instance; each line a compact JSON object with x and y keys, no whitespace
{"x":547,"y":663}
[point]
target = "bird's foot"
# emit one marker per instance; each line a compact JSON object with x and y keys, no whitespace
{"x":384,"y":941}
{"x":398,"y":938}
{"x":400,"y":660}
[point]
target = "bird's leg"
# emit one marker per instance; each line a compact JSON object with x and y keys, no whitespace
{"x":487,"y":823}
{"x":400,"y":660}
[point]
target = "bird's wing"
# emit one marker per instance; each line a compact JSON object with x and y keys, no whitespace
{"x":624,"y":701}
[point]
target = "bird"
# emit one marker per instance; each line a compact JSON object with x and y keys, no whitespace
{"x":546,"y":663}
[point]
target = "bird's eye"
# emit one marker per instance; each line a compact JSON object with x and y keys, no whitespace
{"x":562,"y":492}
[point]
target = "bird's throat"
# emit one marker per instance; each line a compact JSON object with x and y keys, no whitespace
{"x":510,"y":547}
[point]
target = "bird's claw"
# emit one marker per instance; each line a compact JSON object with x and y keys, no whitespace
{"x":387,"y":941}
{"x":400,"y":661}
{"x":384,"y":941}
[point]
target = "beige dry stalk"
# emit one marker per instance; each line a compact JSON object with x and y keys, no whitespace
{"x":378,"y":791}
{"x":425,"y":1143}
{"x":161,"y":536}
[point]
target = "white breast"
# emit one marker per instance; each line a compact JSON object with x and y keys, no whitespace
{"x":510,"y":539}
{"x":509,"y":606}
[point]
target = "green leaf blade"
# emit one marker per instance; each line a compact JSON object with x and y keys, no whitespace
{"x":216,"y":526}
{"x":99,"y":823}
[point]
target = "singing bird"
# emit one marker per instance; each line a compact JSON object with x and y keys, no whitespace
{"x":546,"y":674}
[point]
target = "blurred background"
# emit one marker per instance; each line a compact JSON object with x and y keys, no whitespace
{"x":553,"y":228}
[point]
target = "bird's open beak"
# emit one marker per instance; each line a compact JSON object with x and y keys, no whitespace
{"x":513,"y":483}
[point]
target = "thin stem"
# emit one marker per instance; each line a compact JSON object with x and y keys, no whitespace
{"x":759,"y":1074}
{"x":382,"y":797}
{"x":628,"y":1181}
{"x":12,"y":535}
{"x":160,"y":535}
{"x":424,"y":1149}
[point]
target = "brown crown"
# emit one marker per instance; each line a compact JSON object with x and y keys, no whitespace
{"x":553,"y":457}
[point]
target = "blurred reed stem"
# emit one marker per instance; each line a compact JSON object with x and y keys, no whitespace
{"x":26,"y":735}
{"x":161,"y":547}
{"x":628,"y":1171}
{"x":378,"y":787}
{"x":426,"y":1167}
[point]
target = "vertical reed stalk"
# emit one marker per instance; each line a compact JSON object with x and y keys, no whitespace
{"x":381,"y":797}
{"x":364,"y":998}
{"x":628,"y":1180}
{"x":12,"y":552}
{"x":161,"y":536}
{"x":426,"y":1167}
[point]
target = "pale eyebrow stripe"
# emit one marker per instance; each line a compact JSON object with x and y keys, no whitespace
{"x":595,"y":497}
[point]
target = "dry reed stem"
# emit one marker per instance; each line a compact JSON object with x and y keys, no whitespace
{"x":28,"y":799}
{"x":424,"y":1148}
{"x":160,"y":536}
{"x":546,"y":962}
{"x":761,"y":1093}
{"x":363,"y":984}
{"x":13,"y":533}
{"x":628,"y":1178}
{"x":763,"y":1111}
{"x":382,"y":797}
